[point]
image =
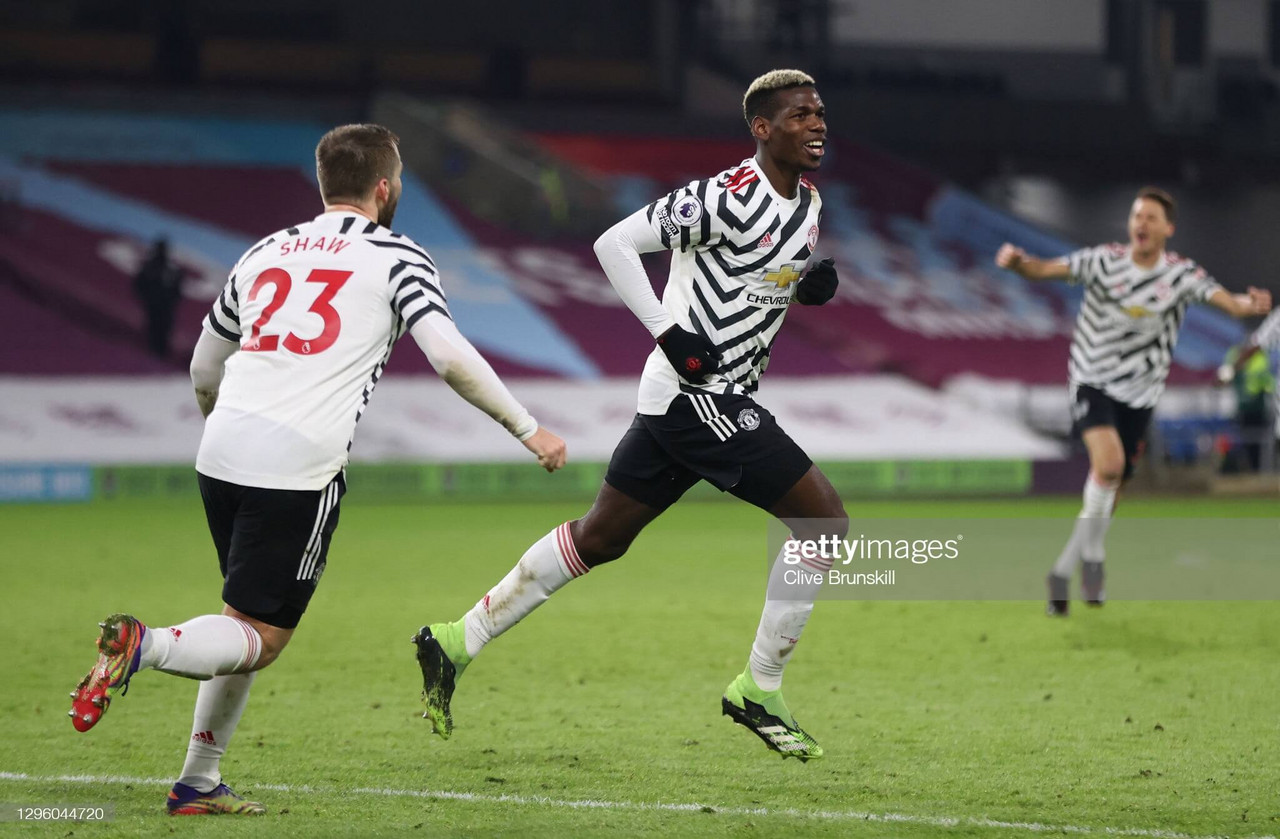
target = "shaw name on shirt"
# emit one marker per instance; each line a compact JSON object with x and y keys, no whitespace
{"x":328,"y":244}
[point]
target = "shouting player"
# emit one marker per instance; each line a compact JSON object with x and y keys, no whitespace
{"x":1135,"y":297}
{"x":288,"y":359}
{"x":741,"y":242}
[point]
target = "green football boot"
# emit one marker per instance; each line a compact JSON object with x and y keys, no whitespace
{"x":442,"y":655}
{"x":765,"y":713}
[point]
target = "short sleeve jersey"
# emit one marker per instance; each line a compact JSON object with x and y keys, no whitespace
{"x":1129,"y":320}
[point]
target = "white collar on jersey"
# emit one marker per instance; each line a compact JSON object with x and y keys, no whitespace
{"x":335,"y":214}
{"x":764,"y":180}
{"x":1161,"y":262}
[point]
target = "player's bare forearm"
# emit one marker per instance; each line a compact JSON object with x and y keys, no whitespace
{"x":1029,"y":267}
{"x":1045,"y":269}
{"x":1254,"y":302}
{"x":1032,"y":268}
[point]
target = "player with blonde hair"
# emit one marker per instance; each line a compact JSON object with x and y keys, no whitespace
{"x":742,"y":243}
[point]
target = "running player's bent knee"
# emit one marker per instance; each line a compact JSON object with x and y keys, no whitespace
{"x":600,"y":552}
{"x":597,"y":545}
{"x":1111,"y":477}
{"x":835,"y":525}
{"x":1108,"y":472}
{"x":272,"y":646}
{"x":273,"y":640}
{"x":841,"y":524}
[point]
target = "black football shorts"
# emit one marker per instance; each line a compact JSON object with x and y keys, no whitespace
{"x":1091,"y":408}
{"x":272,"y":544}
{"x":727,"y":440}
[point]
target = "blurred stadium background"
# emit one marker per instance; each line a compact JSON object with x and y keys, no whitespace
{"x":934,"y":386}
{"x":530,"y":128}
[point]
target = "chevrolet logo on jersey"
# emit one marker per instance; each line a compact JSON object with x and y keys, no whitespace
{"x":783,"y":277}
{"x":1138,"y":311}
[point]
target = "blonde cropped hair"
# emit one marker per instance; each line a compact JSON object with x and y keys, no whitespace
{"x":763,"y":88}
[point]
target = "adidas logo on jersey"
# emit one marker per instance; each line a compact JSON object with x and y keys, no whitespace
{"x":765,"y":242}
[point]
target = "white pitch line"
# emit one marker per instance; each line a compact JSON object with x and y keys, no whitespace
{"x":659,"y":806}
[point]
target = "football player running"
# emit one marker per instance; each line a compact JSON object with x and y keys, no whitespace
{"x":286,"y":364}
{"x":741,"y":242}
{"x":1135,"y":297}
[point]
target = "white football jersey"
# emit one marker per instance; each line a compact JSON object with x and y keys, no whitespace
{"x":738,"y":248}
{"x":316,"y":310}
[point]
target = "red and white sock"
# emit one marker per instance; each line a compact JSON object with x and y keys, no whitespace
{"x":219,"y":704}
{"x":551,"y":562}
{"x":201,"y":648}
{"x":787,"y":607}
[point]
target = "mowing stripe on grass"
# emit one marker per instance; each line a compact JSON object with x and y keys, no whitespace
{"x":658,"y":806}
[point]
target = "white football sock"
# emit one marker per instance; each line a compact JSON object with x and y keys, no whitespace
{"x":201,"y":648}
{"x":1087,"y":537}
{"x":551,"y":562}
{"x":1099,"y":502}
{"x":219,"y":704}
{"x":1065,"y":567}
{"x":782,"y":621}
{"x":1099,"y":498}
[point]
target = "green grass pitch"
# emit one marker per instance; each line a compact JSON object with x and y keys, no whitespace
{"x":601,"y":713}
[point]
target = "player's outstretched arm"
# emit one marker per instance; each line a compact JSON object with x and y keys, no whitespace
{"x":1256,"y":301}
{"x":465,"y":370}
{"x":1017,"y":260}
{"x":207,"y":363}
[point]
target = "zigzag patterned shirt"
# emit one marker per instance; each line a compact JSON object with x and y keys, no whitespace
{"x":1267,"y":335}
{"x":738,"y":248}
{"x":316,"y":310}
{"x":1129,"y":319}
